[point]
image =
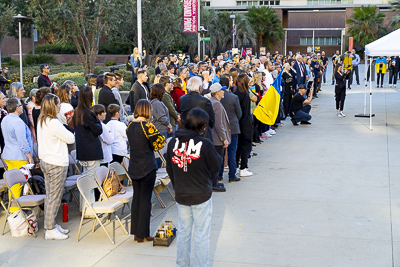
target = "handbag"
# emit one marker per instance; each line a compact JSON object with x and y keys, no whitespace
{"x":19,"y":226}
{"x":112,"y":185}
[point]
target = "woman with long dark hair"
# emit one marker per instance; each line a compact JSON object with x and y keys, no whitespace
{"x":87,"y":131}
{"x":143,"y":140}
{"x":245,"y":123}
{"x":53,"y":138}
{"x":340,"y":89}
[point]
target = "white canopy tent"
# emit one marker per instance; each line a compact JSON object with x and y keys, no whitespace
{"x":384,"y":46}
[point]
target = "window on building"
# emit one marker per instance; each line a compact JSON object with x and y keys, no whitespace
{"x":329,"y":2}
{"x":206,"y":3}
{"x":320,"y":41}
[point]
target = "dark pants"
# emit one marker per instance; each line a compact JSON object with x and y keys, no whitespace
{"x":141,"y":205}
{"x":287,"y":98}
{"x":117,"y":158}
{"x":380,"y":78}
{"x":392,"y":77}
{"x":231,"y":157}
{"x":340,"y":95}
{"x":303,"y":114}
{"x":243,"y":149}
{"x":355,"y":70}
{"x":220,"y":151}
{"x":256,"y":129}
{"x":316,"y":84}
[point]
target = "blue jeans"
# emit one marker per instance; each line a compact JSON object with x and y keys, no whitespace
{"x":303,"y":114}
{"x":324,"y":75}
{"x":231,"y":157}
{"x":198,"y":216}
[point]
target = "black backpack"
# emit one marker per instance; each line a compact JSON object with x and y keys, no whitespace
{"x":37,"y":184}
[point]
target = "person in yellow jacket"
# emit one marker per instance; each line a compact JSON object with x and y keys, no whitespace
{"x":380,"y":66}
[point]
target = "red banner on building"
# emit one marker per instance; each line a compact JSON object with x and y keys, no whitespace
{"x":189,"y":16}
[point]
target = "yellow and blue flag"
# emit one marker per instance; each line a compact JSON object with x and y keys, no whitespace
{"x":268,"y":108}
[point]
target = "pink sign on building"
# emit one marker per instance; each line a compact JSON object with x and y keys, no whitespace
{"x":189,"y":16}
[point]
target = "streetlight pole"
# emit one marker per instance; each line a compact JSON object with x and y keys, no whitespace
{"x":233,"y":30}
{"x":19,"y":18}
{"x":139,"y":25}
{"x":198,"y":27}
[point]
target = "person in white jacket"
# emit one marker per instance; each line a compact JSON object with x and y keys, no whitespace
{"x":106,"y":138}
{"x":119,"y":146}
{"x":52,"y":139}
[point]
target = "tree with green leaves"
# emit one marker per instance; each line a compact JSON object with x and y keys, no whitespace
{"x":161,"y":25}
{"x":81,"y":21}
{"x":7,"y":12}
{"x":266,"y":25}
{"x":395,"y":21}
{"x":365,"y":24}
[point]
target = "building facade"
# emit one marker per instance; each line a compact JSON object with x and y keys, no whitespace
{"x":318,"y":24}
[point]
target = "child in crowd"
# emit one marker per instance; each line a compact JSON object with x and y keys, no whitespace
{"x":119,"y":146}
{"x":106,"y":137}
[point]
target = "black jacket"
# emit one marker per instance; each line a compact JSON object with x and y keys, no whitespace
{"x":88,"y":145}
{"x":340,"y":81}
{"x":143,"y":140}
{"x":42,"y":81}
{"x":4,"y":79}
{"x":137,"y":92}
{"x":195,"y":100}
{"x":191,"y":162}
{"x":106,"y":97}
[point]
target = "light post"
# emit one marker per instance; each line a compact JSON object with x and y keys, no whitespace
{"x":139,"y":25}
{"x":233,"y":29}
{"x":20,"y":18}
{"x":203,"y":31}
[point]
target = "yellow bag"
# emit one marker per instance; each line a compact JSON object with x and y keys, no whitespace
{"x":17,"y":190}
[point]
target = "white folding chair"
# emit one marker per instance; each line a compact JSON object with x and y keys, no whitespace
{"x":100,"y":174}
{"x":86,"y":183}
{"x":11,"y":178}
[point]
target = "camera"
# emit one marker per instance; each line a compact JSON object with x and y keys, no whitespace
{"x":112,"y":69}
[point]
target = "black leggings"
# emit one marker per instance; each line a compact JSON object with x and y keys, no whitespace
{"x":392,"y":77}
{"x":340,"y":95}
{"x":380,"y":77}
{"x":243,"y":149}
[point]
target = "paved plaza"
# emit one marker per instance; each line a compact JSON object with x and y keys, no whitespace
{"x":326,"y":194}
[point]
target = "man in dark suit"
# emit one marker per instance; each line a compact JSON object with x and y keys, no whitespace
{"x":232,"y":107}
{"x":194,"y":99}
{"x":301,"y":70}
{"x":138,"y":90}
{"x":106,"y":96}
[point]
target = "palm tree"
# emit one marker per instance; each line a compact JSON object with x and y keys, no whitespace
{"x":365,"y":24}
{"x":266,"y":25}
{"x":395,"y":21}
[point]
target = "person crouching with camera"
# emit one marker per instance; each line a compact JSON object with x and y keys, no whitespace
{"x":300,"y":106}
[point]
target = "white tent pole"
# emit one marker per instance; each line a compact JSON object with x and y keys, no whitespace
{"x":366,"y":83}
{"x":370,"y":94}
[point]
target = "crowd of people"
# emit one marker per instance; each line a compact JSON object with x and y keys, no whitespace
{"x":203,"y":110}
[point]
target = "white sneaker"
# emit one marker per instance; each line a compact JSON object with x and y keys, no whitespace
{"x":390,"y":86}
{"x":341,"y":113}
{"x":271,"y":131}
{"x":226,"y":169}
{"x":54,"y":235}
{"x":267,"y":134}
{"x":394,"y":86}
{"x":245,"y":173}
{"x":62,"y":230}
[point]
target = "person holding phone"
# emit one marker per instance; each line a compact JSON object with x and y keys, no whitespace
{"x":340,"y":88}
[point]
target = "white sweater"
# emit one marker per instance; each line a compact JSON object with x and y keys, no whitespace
{"x":52,"y":139}
{"x":106,"y":139}
{"x":118,"y":129}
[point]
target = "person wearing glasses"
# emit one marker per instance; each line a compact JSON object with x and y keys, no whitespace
{"x":44,"y":80}
{"x":18,"y":148}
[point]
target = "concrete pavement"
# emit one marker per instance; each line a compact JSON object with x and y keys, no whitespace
{"x":326,"y":194}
